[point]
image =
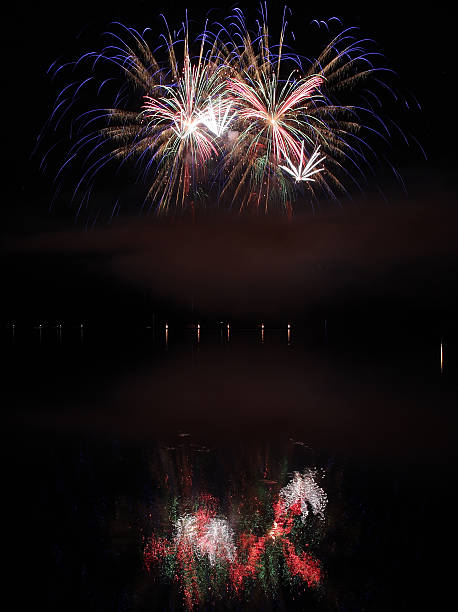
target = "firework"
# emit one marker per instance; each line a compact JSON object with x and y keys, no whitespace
{"x":206,"y":535}
{"x":217,"y":117}
{"x":243,"y":119}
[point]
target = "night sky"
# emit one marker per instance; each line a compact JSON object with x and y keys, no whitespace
{"x":378,"y":244}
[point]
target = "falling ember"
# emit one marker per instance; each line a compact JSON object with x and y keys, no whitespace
{"x":442,"y":358}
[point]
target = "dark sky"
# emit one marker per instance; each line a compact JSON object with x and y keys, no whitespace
{"x":327,"y":258}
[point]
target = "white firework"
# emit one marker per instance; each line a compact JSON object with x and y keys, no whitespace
{"x":216,"y":118}
{"x":301,"y":172}
{"x":304,"y":489}
{"x":214,"y":538}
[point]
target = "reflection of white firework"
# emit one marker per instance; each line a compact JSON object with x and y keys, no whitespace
{"x":217,"y":541}
{"x":303,"y":488}
{"x":186,"y":531}
{"x":213,"y":537}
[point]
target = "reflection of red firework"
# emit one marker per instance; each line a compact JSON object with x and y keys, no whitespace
{"x":253,"y":548}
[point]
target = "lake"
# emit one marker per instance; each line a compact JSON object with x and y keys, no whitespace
{"x":151,"y":466}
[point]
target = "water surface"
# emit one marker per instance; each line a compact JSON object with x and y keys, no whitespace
{"x":112,"y":428}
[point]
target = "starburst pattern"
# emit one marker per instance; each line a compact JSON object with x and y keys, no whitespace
{"x":301,"y":172}
{"x":217,"y":116}
{"x":241,"y":119}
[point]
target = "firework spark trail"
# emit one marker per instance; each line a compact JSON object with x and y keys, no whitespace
{"x":305,"y":173}
{"x":257,"y":103}
{"x":179,"y":110}
{"x":217,"y":121}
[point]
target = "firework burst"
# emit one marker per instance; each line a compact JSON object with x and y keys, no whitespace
{"x":206,"y":535}
{"x":301,"y":172}
{"x":248,"y":121}
{"x":304,"y":491}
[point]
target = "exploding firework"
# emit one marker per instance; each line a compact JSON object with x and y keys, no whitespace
{"x":301,"y":172}
{"x":243,"y":119}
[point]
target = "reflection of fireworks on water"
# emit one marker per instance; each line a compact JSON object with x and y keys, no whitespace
{"x":218,"y":541}
{"x":243,"y":117}
{"x":205,"y":558}
{"x":304,"y":490}
{"x":206,"y":535}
